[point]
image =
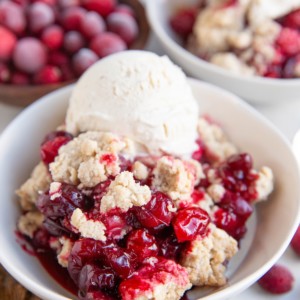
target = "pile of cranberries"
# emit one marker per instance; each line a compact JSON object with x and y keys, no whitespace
{"x":287,"y":44}
{"x":51,"y":41}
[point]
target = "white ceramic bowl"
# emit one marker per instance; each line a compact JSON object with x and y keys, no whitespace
{"x":254,"y":89}
{"x":276,"y":219}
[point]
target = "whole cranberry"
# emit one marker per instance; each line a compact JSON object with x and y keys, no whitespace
{"x":156,"y":212}
{"x":124,"y":26}
{"x":141,"y":244}
{"x":20,"y":78}
{"x":4,"y":73}
{"x":93,"y":278}
{"x":51,"y":144}
{"x":83,"y":59}
{"x":107,"y":43}
{"x":53,"y":37}
{"x":7,"y":44}
{"x":72,"y":17}
{"x":92,"y":24}
{"x":125,"y":9}
{"x":40,"y":15}
{"x":190,"y":222}
{"x":12,"y":17}
{"x":73,"y":41}
{"x":102,"y":7}
{"x":29,"y":55}
{"x":48,"y":75}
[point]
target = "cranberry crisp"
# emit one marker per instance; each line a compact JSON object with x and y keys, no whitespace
{"x":249,"y":37}
{"x":127,"y":226}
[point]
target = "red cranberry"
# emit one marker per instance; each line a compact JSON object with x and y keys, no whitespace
{"x":103,"y":7}
{"x":51,"y":145}
{"x":169,"y":247}
{"x":83,"y":59}
{"x":142,"y":244}
{"x":48,"y":2}
{"x":197,"y":155}
{"x":20,"y":78}
{"x":72,"y":18}
{"x":94,"y":296}
{"x":84,"y":251}
{"x":119,"y":261}
{"x":230,"y":222}
{"x":68,"y":3}
{"x":41,"y":239}
{"x":124,"y":26}
{"x":190,"y":222}
{"x":92,"y":25}
{"x":12,"y":17}
{"x":288,"y":70}
{"x":273,"y":71}
{"x":40,"y":16}
{"x":289,"y":41}
{"x":240,"y":162}
{"x":69,"y":199}
{"x":292,"y":20}
{"x":107,"y":43}
{"x":73,"y":41}
{"x":53,"y":37}
{"x":295,"y":243}
{"x":183,"y":22}
{"x":47,"y":75}
{"x":7,"y":45}
{"x":93,"y":278}
{"x":4,"y":73}
{"x":29,"y":55}
{"x":54,"y":227}
{"x":58,"y":58}
{"x":278,"y":280}
{"x":67,"y":72}
{"x":125,"y":9}
{"x":156,"y":212}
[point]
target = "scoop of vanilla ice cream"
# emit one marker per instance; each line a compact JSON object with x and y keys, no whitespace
{"x":139,"y":95}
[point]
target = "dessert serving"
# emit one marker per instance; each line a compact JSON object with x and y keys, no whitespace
{"x":247,"y":37}
{"x":137,"y":196}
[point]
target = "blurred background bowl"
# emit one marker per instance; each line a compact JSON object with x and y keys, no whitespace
{"x":24,"y":95}
{"x":254,"y":89}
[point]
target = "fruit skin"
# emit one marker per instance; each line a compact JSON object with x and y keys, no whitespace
{"x":92,"y":25}
{"x":288,"y":41}
{"x":124,"y":26}
{"x":73,"y":41}
{"x":53,"y":37}
{"x":20,"y":78}
{"x":295,"y":243}
{"x":4,"y":73}
{"x":7,"y":43}
{"x":29,"y":55}
{"x":278,"y":280}
{"x":72,"y":17}
{"x":103,"y":7}
{"x":47,"y":75}
{"x":83,"y":59}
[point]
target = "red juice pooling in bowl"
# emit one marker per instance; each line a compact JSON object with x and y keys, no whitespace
{"x":127,"y":221}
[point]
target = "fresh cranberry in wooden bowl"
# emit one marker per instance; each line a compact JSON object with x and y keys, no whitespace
{"x":48,"y":44}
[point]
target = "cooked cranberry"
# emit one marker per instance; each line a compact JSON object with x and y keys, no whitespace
{"x":94,"y":296}
{"x":119,"y":261}
{"x":156,"y":212}
{"x":84,"y":251}
{"x":41,"y":239}
{"x":142,"y":244}
{"x":197,"y":155}
{"x":69,"y":199}
{"x":289,"y":67}
{"x":230,"y":222}
{"x":169,"y":247}
{"x":132,"y":220}
{"x":54,"y":227}
{"x":100,"y":189}
{"x":190,"y":222}
{"x":93,"y":278}
{"x":240,"y":162}
{"x":292,"y":20}
{"x":289,"y":41}
{"x":51,"y":144}
{"x":183,"y":21}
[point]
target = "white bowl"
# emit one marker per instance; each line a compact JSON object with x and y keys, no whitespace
{"x":255,"y":89}
{"x":277,"y":218}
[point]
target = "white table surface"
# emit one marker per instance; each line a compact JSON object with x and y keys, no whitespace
{"x":286,"y":116}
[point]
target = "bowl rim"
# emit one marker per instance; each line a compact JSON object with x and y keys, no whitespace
{"x":167,"y":41}
{"x":228,"y":290}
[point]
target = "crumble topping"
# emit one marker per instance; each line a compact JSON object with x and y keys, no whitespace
{"x":88,"y":228}
{"x":140,"y":171}
{"x":55,"y":190}
{"x":176,"y":177}
{"x":204,"y":258}
{"x":65,"y":251}
{"x":215,"y":140}
{"x":125,"y":193}
{"x":38,"y":183}
{"x":216,"y":192}
{"x":81,"y":160}
{"x":264,"y":185}
{"x":30,"y":222}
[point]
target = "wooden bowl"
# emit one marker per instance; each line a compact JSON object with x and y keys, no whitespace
{"x":25,"y":95}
